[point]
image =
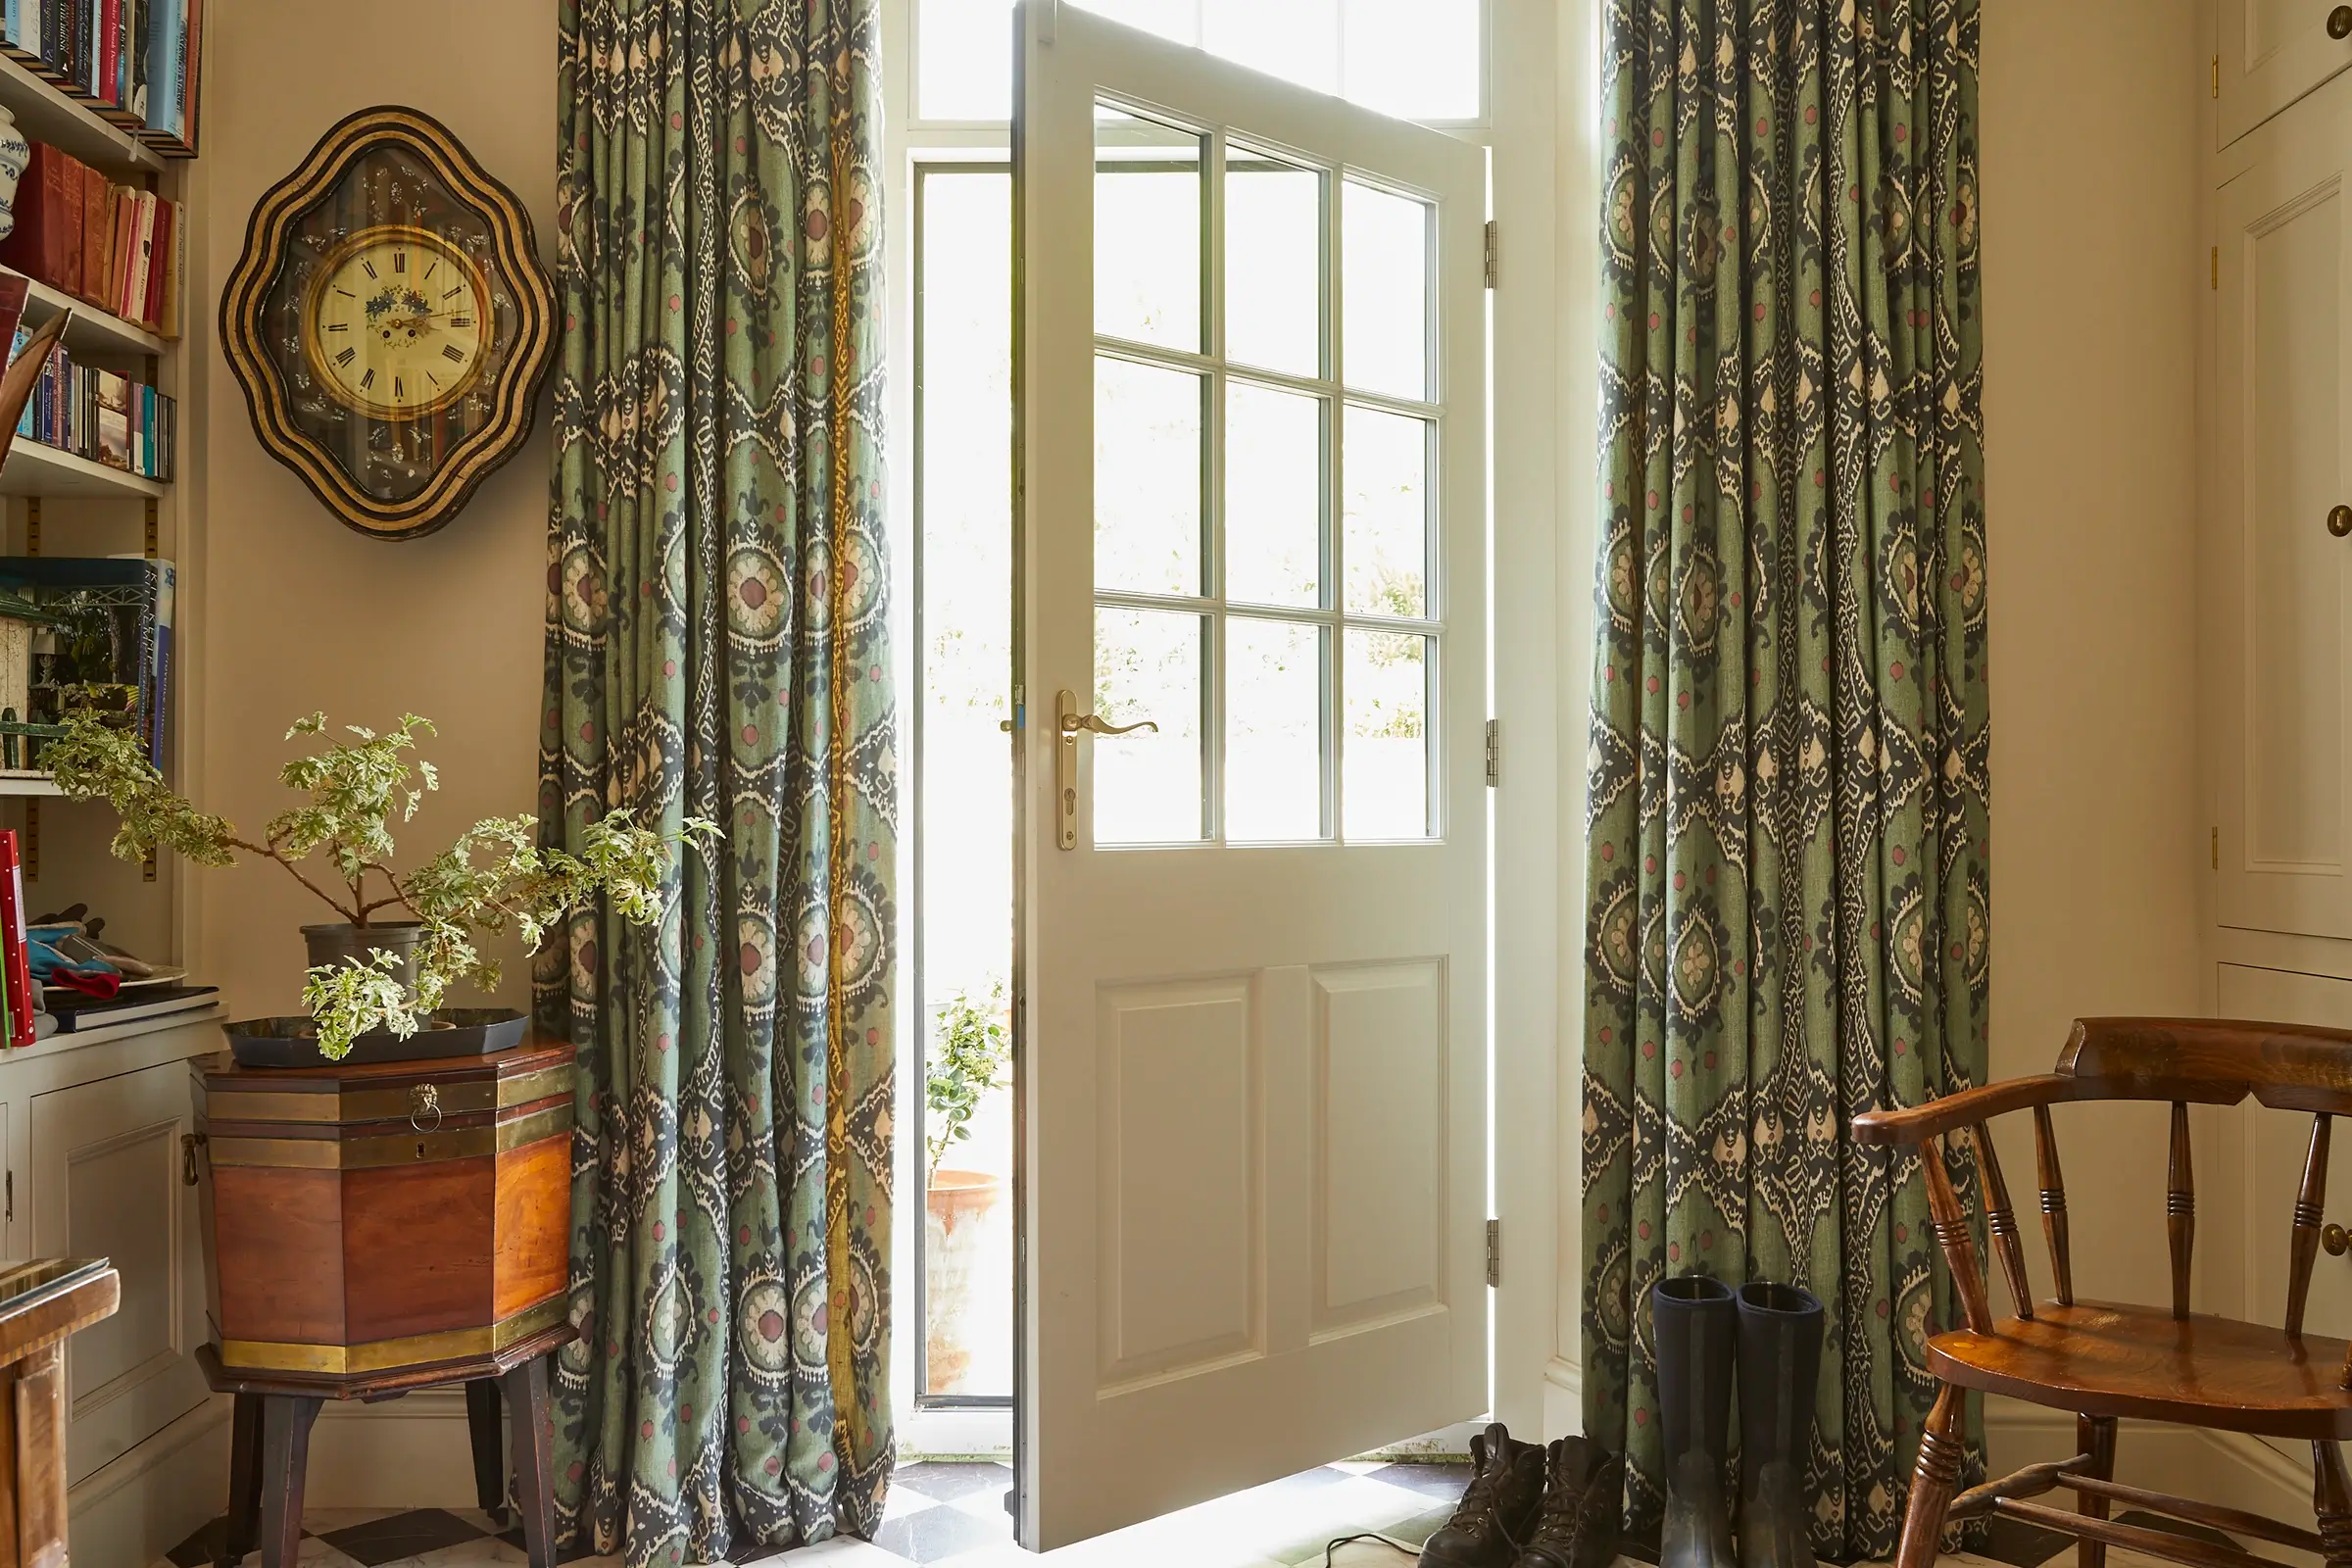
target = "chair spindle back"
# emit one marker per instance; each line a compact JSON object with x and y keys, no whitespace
{"x":2180,"y":1209}
{"x":2053,"y":1204}
{"x":2304,"y":1248}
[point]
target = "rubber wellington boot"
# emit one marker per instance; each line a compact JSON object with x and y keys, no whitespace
{"x":1584,"y":1499}
{"x":1694,"y":1324}
{"x":1497,"y":1511}
{"x":1780,"y":1365}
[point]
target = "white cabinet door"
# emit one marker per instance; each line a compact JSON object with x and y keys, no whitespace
{"x":106,"y":1165}
{"x":2277,"y":573}
{"x":2272,"y":53}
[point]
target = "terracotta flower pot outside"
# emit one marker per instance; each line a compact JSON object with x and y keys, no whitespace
{"x":963,"y":1232}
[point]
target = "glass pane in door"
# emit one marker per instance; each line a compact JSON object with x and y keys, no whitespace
{"x":1384,"y":291}
{"x":1273,"y":730}
{"x":1148,"y":273}
{"x":1148,"y":665}
{"x":1147,"y":478}
{"x":1273,"y":496}
{"x":1384,"y":780}
{"x":1385,"y":526}
{"x":1273,"y":264}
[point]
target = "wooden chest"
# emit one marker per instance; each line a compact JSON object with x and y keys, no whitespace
{"x":382,"y":1215}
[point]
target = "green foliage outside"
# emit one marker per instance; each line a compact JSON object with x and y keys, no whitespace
{"x":493,"y":879}
{"x":967,"y":1060}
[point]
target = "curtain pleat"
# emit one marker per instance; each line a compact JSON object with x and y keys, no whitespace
{"x":716,"y":647}
{"x":1787,"y":831}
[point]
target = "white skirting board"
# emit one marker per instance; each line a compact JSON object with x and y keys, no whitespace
{"x":412,"y":1452}
{"x":150,"y":1499}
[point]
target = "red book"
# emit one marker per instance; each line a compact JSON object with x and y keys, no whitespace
{"x":67,"y":254}
{"x":31,"y":247}
{"x":110,"y":51}
{"x":97,"y":236}
{"x":194,"y":58}
{"x":119,"y":281}
{"x":16,"y":969}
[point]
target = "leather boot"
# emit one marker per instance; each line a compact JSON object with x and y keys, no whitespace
{"x":1584,"y":1499}
{"x":1497,"y":1511}
{"x":1780,"y":1366}
{"x":1694,"y":1324}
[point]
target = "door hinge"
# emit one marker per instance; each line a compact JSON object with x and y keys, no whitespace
{"x":2216,"y":267}
{"x":1491,"y":263}
{"x":1493,"y":1251}
{"x":2217,"y":76}
{"x":10,"y":1214}
{"x":2217,"y":849}
{"x":1493,"y":753}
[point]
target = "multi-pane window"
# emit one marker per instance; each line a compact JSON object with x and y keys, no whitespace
{"x":1265,"y":430}
{"x":1414,"y":59}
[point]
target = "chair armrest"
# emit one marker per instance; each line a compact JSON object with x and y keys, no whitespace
{"x":1918,"y":1123}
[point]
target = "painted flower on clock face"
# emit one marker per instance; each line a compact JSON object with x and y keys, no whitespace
{"x":398,"y":322}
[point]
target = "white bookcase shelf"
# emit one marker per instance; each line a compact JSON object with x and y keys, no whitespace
{"x":92,"y":330}
{"x":33,"y":469}
{"x":47,"y":111}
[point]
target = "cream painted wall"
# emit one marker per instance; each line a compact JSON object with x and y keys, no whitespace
{"x":2088,"y":119}
{"x":302,"y":612}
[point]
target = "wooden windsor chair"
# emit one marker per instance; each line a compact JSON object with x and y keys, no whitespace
{"x":2104,"y":1360}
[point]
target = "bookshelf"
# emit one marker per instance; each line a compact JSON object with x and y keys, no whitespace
{"x":47,"y":111}
{"x":92,"y":330}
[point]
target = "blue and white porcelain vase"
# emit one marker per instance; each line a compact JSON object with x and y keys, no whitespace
{"x":14,"y":153}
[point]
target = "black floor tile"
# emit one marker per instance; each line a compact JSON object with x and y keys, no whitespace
{"x":942,"y":1531}
{"x":201,"y":1548}
{"x":1445,"y":1482}
{"x":402,"y":1534}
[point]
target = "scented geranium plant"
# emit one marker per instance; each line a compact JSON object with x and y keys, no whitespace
{"x":495,"y":879}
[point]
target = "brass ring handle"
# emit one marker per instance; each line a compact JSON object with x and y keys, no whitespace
{"x":421,"y":1098}
{"x":2339,"y":517}
{"x":2339,"y":23}
{"x":189,"y":1142}
{"x":2335,"y":1239}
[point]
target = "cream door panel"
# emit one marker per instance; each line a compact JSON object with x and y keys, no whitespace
{"x":1250,"y":1053}
{"x":2272,"y":53}
{"x":106,"y":1159}
{"x":2284,"y":410}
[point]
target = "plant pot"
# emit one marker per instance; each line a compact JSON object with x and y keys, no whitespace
{"x":341,"y":941}
{"x":967,"y":1256}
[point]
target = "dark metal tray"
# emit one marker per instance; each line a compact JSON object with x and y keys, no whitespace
{"x":293,"y":1042}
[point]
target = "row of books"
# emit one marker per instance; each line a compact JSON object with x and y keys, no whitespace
{"x":101,"y":415}
{"x":106,"y":622}
{"x":135,"y":61}
{"x":120,"y":249}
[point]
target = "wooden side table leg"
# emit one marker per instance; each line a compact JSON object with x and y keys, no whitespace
{"x":286,"y":1452}
{"x":243,"y":1523}
{"x":489,"y":1457}
{"x":532,"y":1425}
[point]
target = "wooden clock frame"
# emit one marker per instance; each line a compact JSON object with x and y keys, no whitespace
{"x":515,"y":389}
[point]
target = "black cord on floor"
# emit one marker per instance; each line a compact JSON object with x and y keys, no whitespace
{"x":1369,"y":1535}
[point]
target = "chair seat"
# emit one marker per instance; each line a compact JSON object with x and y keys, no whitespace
{"x":2110,"y":1358}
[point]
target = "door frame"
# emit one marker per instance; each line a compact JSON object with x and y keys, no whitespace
{"x":1542,"y":130}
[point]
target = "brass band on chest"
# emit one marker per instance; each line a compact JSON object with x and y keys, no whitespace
{"x":417,"y":1350}
{"x":385,"y":1105}
{"x":402,"y":1147}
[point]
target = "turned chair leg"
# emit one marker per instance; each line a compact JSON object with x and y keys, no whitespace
{"x":241,"y":1529}
{"x":531,"y":1424}
{"x":2095,"y":1435}
{"x":489,"y":1456}
{"x":1934,"y":1480}
{"x":286,"y":1452}
{"x":2331,"y":1500}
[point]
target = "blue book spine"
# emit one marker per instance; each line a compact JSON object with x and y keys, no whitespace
{"x":10,"y":19}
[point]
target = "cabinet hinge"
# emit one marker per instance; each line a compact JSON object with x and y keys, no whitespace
{"x":1493,"y":752}
{"x":1493,"y":1251}
{"x":2217,"y":76}
{"x":1491,"y":263}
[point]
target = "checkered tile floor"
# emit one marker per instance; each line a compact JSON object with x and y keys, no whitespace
{"x":953,"y":1516}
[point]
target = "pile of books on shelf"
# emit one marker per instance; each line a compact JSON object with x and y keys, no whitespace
{"x":119,"y":249}
{"x":135,"y":62}
{"x":100,"y":415}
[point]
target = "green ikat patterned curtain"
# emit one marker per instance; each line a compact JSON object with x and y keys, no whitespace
{"x":1787,"y":887}
{"x":717,"y":648}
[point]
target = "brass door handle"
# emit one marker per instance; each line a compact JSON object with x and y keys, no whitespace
{"x":2339,"y":517}
{"x":2339,"y":23}
{"x":2332,"y":1235}
{"x":1069,"y":723}
{"x":1072,"y":724}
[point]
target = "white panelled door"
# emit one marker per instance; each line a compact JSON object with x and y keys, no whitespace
{"x":2271,"y":53}
{"x":1250,"y":1036}
{"x":2282,"y":569}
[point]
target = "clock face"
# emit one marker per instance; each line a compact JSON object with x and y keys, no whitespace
{"x":397,"y":322}
{"x":389,"y":322}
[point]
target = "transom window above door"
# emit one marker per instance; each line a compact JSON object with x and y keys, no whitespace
{"x":1415,"y":59}
{"x":1266,"y":420}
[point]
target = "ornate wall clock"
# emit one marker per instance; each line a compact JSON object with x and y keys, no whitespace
{"x":390,"y":322}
